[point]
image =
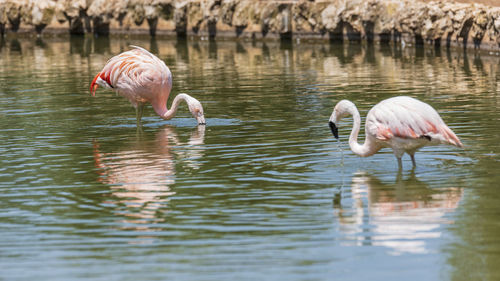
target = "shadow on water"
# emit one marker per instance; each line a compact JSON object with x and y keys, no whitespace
{"x":370,"y":53}
{"x":286,"y":44}
{"x":265,"y":51}
{"x":142,"y":173}
{"x":345,"y":52}
{"x":240,"y":49}
{"x":153,"y":45}
{"x":353,"y":51}
{"x":39,"y":42}
{"x":196,"y":47}
{"x":212,"y":49}
{"x":15,"y":45}
{"x":181,"y":47}
{"x":81,"y":45}
{"x":102,"y":45}
{"x":387,"y":214}
{"x":81,"y":185}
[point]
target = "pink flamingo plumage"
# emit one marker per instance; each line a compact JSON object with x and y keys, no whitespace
{"x":142,"y":78}
{"x":403,"y":123}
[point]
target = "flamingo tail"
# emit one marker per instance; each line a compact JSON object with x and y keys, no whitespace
{"x":452,"y":138}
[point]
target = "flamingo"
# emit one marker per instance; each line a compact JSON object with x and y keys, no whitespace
{"x":402,"y":123}
{"x":141,"y":77}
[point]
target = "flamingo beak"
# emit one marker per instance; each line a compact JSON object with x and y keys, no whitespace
{"x":335,"y":130}
{"x":201,"y":120}
{"x":94,"y":85}
{"x":94,"y":89}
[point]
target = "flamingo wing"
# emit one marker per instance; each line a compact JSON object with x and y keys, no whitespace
{"x":136,"y":74}
{"x":408,"y":118}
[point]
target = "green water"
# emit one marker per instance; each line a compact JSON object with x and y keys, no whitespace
{"x":264,"y":192}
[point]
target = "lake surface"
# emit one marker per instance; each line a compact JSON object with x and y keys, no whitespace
{"x":263,"y":192}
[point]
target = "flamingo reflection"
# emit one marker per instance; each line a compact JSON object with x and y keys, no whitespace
{"x":400,"y":216}
{"x":140,"y":175}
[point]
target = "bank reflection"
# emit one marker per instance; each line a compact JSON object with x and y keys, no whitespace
{"x":402,"y":216}
{"x":141,"y":175}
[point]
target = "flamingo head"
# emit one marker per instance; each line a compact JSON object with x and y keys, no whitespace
{"x":343,"y":109}
{"x":196,"y":110}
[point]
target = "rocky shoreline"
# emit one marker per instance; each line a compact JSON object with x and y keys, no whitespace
{"x":439,"y":23}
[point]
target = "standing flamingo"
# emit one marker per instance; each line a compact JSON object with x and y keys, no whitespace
{"x":403,"y":123}
{"x":142,"y":77}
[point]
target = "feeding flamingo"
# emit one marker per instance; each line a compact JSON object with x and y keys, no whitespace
{"x":141,"y":77}
{"x":403,"y":123}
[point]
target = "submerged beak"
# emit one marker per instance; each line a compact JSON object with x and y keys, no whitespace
{"x":201,"y":120}
{"x":94,"y":85}
{"x":334,"y":129}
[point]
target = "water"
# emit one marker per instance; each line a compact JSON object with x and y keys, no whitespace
{"x":264,"y":192}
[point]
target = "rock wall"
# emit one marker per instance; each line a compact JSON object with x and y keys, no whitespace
{"x":406,"y":21}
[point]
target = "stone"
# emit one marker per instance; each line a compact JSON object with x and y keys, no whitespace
{"x":422,"y":21}
{"x":75,"y":13}
{"x":351,"y":15}
{"x":195,"y":16}
{"x":101,"y":10}
{"x":3,"y":13}
{"x":331,"y":17}
{"x":241,"y":16}
{"x":42,"y":13}
{"x":181,"y":18}
{"x":165,"y":8}
{"x":211,"y":10}
{"x":3,"y":18}
{"x":479,"y":24}
{"x":13,"y":13}
{"x":227,"y":9}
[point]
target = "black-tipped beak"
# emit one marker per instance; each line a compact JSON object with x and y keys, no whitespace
{"x":334,"y":129}
{"x":201,"y":120}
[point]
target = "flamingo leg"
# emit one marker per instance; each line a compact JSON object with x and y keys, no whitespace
{"x":412,"y":155}
{"x":138,"y":113}
{"x":400,"y":163}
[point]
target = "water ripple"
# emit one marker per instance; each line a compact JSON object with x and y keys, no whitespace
{"x":88,"y":195}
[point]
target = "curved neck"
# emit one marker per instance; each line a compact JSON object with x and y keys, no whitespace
{"x":368,"y":148}
{"x":168,"y":114}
